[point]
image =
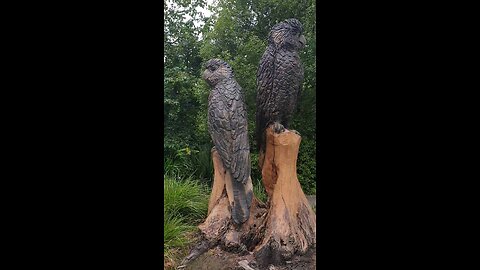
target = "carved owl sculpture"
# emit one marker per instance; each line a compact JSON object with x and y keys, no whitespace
{"x":227,"y":125}
{"x":279,"y":78}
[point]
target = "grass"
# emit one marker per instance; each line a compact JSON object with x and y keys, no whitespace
{"x":185,"y":198}
{"x":259,"y":191}
{"x":170,"y":168}
{"x":174,"y":234}
{"x":194,"y":163}
{"x":202,"y":161}
{"x":185,"y":206}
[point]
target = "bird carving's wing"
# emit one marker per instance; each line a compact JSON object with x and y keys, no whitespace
{"x":299,"y":77}
{"x":288,"y":79}
{"x":265,"y":78}
{"x":228,"y":129}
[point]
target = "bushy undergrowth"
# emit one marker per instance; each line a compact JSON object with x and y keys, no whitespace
{"x":255,"y":172}
{"x":202,"y":161}
{"x":175,"y":229}
{"x":195,"y":162}
{"x":259,"y":190}
{"x":306,"y":166}
{"x":185,"y":205}
{"x":178,"y":238}
{"x":185,"y":198}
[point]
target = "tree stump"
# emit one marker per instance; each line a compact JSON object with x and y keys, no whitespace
{"x":276,"y":234}
{"x":290,"y":223}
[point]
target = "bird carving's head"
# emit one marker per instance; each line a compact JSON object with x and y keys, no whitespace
{"x":216,"y":70}
{"x":287,"y":34}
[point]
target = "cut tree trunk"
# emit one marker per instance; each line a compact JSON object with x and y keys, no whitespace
{"x":290,"y":223}
{"x":276,"y":234}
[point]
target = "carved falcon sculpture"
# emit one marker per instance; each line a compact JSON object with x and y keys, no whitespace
{"x":227,"y":124}
{"x":279,"y":78}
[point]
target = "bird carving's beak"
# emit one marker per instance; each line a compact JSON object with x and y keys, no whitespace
{"x":204,"y":75}
{"x":302,"y":40}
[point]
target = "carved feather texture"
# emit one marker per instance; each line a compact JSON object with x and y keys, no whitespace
{"x":279,"y":77}
{"x":227,"y":124}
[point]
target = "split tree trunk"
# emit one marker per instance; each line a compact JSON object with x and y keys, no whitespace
{"x":290,"y":223}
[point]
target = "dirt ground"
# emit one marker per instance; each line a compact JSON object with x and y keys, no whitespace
{"x":217,"y":259}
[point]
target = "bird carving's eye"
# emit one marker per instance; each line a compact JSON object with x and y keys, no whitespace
{"x":211,"y":68}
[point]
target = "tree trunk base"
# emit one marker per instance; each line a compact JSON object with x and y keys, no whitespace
{"x":275,"y":232}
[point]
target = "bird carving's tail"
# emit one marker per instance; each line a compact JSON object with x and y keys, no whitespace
{"x":243,"y":195}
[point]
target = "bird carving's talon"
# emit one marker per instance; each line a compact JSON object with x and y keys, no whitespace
{"x":278,"y":128}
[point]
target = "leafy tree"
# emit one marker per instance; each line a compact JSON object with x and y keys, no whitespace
{"x":182,"y":65}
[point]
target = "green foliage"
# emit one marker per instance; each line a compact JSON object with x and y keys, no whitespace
{"x":259,"y":191}
{"x":306,"y":166}
{"x":170,"y":167}
{"x":185,"y":204}
{"x":186,"y":198}
{"x":182,"y":84}
{"x":188,"y":162}
{"x":202,"y":161}
{"x":174,"y":232}
{"x":256,"y":174}
{"x":180,"y":164}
